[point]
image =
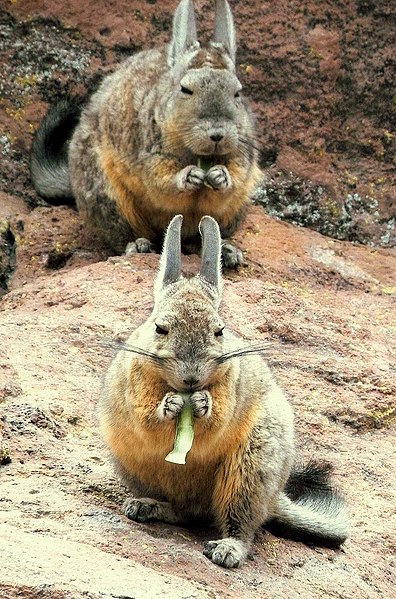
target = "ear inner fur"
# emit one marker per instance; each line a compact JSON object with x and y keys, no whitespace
{"x":170,"y":265}
{"x":184,"y":31}
{"x":211,"y":252}
{"x":224,"y":31}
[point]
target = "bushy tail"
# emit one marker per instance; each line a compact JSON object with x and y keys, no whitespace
{"x":48,"y":158}
{"x":310,"y":510}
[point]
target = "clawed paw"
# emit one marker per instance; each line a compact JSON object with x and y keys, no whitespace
{"x":201,"y":402}
{"x":228,"y":553}
{"x":190,"y":178}
{"x":140,"y":246}
{"x":142,"y":510}
{"x":171,"y":406}
{"x":231,"y":255}
{"x":218,"y":177}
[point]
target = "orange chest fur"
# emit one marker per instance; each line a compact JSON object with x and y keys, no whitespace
{"x":143,"y":457}
{"x":149,"y":204}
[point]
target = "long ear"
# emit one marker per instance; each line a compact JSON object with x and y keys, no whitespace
{"x":224,"y":31}
{"x":170,"y":263}
{"x":211,"y":252}
{"x":184,"y":31}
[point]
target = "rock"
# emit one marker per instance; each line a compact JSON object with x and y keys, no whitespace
{"x":33,"y":558}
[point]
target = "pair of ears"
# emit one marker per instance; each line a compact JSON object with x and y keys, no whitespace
{"x":184,"y":31}
{"x":170,"y":264}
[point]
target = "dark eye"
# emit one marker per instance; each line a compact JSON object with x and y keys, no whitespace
{"x":185,"y":90}
{"x":160,"y":330}
{"x":219,"y":333}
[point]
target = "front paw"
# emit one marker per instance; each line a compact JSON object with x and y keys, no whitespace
{"x":228,"y":552}
{"x":231,"y":255}
{"x":190,"y":178}
{"x":170,"y":407}
{"x":201,"y":403}
{"x":218,"y":177}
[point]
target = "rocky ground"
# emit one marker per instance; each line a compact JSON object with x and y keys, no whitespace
{"x":326,"y":305}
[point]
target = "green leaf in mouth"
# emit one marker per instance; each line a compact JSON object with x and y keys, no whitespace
{"x":205,"y":163}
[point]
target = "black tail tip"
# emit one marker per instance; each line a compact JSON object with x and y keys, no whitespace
{"x":311,"y":484}
{"x":49,"y":151}
{"x":308,"y":479}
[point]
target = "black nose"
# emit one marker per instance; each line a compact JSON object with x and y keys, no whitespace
{"x":216,"y":137}
{"x":190,"y":381}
